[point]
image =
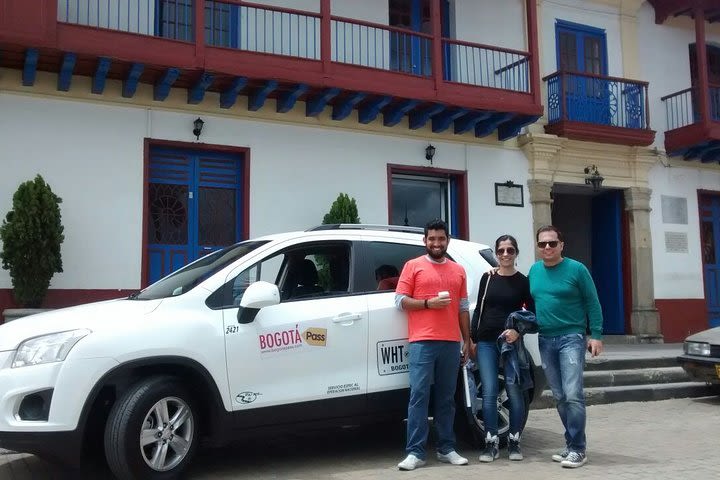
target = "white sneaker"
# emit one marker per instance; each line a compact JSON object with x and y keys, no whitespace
{"x":411,"y":462}
{"x":452,"y":457}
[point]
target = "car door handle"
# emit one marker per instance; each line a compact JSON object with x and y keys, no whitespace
{"x":347,"y":318}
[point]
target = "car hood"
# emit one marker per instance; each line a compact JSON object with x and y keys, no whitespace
{"x":709,"y":336}
{"x":93,"y":316}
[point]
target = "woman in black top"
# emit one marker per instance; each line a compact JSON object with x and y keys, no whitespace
{"x":499,"y":294}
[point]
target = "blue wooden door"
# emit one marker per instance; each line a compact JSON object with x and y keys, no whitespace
{"x":710,"y":238}
{"x":607,"y":259}
{"x":194,"y":206}
{"x":582,"y":49}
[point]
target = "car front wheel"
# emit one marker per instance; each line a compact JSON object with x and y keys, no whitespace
{"x":471,"y":417}
{"x":151,"y":432}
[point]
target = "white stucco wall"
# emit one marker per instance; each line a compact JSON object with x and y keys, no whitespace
{"x":678,"y":275}
{"x":92,"y":156}
{"x":491,"y":22}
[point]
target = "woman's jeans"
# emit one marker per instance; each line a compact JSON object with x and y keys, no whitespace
{"x":488,"y":362}
{"x":439,"y":362}
{"x":563,"y":360}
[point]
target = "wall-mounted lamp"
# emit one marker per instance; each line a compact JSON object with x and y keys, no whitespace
{"x":197,"y":127}
{"x":593,"y":177}
{"x":429,"y":153}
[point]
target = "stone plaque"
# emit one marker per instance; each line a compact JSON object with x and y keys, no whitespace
{"x":676,"y":242}
{"x":674,"y":210}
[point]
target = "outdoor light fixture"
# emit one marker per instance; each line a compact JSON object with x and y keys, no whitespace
{"x":593,"y":177}
{"x":197,"y":127}
{"x":429,"y":153}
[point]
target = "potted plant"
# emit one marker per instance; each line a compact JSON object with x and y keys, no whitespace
{"x":31,"y":235}
{"x":343,"y":210}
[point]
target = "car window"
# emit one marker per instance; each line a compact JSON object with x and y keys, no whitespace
{"x":387,"y":260}
{"x":185,"y":279}
{"x":301,"y":272}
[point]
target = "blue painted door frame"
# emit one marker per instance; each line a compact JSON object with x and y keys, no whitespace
{"x":195,"y":206}
{"x":710,"y":237}
{"x":418,"y":64}
{"x":607,"y":255}
{"x":586,"y":99}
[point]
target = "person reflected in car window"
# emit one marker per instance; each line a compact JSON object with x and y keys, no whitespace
{"x":387,"y":277}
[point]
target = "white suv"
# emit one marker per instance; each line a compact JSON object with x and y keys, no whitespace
{"x":271,"y":332}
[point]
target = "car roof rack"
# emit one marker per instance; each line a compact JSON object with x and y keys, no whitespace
{"x":365,"y":226}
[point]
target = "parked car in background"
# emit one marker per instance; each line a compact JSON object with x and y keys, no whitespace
{"x":701,"y":357}
{"x":281,"y":331}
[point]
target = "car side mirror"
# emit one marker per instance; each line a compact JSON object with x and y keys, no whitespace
{"x":258,"y":295}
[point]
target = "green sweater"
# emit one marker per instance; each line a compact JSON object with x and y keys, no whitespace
{"x":565,"y":299}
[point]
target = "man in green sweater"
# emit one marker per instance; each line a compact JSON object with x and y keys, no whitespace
{"x":565,"y":302}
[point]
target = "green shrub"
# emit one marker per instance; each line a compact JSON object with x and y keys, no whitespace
{"x":31,"y":236}
{"x":343,"y":210}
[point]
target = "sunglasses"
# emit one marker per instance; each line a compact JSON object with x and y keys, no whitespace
{"x":552,"y":244}
{"x":503,"y":251}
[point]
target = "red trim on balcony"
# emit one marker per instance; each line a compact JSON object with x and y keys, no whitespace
{"x":680,"y":140}
{"x":665,"y":9}
{"x":601,"y":133}
{"x":33,"y":24}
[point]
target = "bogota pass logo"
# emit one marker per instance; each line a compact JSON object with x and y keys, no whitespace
{"x":315,"y":336}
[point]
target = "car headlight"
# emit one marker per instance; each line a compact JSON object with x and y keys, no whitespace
{"x":47,"y":348}
{"x":697,"y":348}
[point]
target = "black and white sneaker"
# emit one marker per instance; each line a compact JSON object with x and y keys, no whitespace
{"x":514,"y":452}
{"x":574,"y":460}
{"x":560,"y":456}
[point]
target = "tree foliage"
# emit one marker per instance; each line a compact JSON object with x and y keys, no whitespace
{"x":343,"y":210}
{"x":31,"y":235}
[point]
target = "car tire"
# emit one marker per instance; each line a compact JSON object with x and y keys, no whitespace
{"x":469,"y":422}
{"x":162,"y":408}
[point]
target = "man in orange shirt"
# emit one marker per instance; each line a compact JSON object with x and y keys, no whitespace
{"x":433,"y":291}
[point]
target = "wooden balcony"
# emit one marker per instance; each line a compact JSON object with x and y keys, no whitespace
{"x":583,"y":106}
{"x":234,"y":48}
{"x":688,"y":135}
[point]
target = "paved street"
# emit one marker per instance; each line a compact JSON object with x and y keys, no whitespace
{"x":655,"y":440}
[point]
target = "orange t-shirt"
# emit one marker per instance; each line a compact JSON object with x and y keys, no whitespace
{"x":422,"y":279}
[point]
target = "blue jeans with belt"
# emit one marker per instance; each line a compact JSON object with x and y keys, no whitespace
{"x":438,"y":361}
{"x":488,"y":362}
{"x":563,"y":360}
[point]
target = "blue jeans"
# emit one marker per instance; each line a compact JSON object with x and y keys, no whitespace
{"x":439,"y":361}
{"x":563,"y":360}
{"x":488,"y":362}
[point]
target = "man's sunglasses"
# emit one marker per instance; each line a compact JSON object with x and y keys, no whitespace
{"x":553,"y":244}
{"x":509,"y":251}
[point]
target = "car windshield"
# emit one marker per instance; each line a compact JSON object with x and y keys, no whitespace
{"x":189,"y":276}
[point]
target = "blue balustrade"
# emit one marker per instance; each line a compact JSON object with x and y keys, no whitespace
{"x":486,"y":66}
{"x":715,"y":103}
{"x":600,"y":100}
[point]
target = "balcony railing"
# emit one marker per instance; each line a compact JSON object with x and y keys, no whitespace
{"x":596,"y":99}
{"x":682,"y":108}
{"x":486,"y":66}
{"x":381,"y":46}
{"x":241,"y":25}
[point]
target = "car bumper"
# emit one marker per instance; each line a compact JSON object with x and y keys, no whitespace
{"x":703,"y":369}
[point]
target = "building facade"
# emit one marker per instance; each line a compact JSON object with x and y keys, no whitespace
{"x":303,"y":100}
